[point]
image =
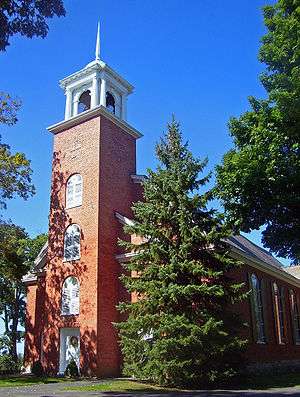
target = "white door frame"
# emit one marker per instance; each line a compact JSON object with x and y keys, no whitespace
{"x":64,"y":333}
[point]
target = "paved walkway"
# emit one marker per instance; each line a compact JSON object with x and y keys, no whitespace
{"x":56,"y":390}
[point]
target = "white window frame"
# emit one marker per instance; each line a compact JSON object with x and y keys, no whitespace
{"x":75,"y":229}
{"x":70,"y":294}
{"x":73,"y":197}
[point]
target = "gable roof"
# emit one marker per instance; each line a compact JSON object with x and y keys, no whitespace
{"x":240,"y":245}
{"x":248,"y":247}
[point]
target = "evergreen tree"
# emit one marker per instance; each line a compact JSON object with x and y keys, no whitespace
{"x":182,"y":330}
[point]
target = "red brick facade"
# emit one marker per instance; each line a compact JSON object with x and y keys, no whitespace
{"x":104,"y":153}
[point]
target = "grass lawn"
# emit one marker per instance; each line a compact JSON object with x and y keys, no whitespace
{"x":256,"y":383}
{"x":27,"y":380}
{"x":121,"y":386}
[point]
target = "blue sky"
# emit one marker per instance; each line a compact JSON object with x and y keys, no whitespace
{"x":196,"y":59}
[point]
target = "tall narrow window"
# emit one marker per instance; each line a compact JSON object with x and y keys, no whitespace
{"x":295,"y":316}
{"x":110,"y":103}
{"x":257,"y":307}
{"x":72,"y":243}
{"x":70,"y":297}
{"x":84,"y":101}
{"x":74,"y":191}
{"x":278,"y":294}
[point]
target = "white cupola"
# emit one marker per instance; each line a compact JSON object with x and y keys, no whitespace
{"x":96,"y":85}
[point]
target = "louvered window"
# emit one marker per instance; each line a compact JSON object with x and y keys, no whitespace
{"x":70,"y":296}
{"x":72,"y":243}
{"x":74,"y":191}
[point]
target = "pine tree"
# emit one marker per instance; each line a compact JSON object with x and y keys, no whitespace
{"x":182,"y":330}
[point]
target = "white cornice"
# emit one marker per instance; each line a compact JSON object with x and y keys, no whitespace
{"x":236,"y":253}
{"x":277,"y":272}
{"x":88,"y":114}
{"x":96,"y":66}
{"x":138,"y":178}
{"x":124,"y":220}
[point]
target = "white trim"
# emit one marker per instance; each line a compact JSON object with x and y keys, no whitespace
{"x":122,"y":258}
{"x":273,"y":271}
{"x":279,"y":273}
{"x":88,"y":114}
{"x":124,"y":220}
{"x":96,"y":66}
{"x":138,"y":178}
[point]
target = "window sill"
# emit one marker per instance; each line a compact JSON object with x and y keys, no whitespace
{"x":74,"y":206}
{"x":259,"y":342}
{"x":69,"y":315}
{"x":71,"y":260}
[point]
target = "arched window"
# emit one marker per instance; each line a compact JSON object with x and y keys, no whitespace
{"x":295,"y":316}
{"x":70,"y":296}
{"x":110,"y":103}
{"x":74,"y":191}
{"x":278,"y":294}
{"x":72,"y":243}
{"x":84,"y":102}
{"x":257,"y":307}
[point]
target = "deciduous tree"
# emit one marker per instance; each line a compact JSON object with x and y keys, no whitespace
{"x":259,"y":179}
{"x":27,"y":17}
{"x":17,"y":254}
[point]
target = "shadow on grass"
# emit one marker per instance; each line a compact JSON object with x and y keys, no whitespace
{"x":26,"y":380}
{"x":241,"y":387}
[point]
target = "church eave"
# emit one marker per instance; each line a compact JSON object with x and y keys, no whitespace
{"x":88,"y":114}
{"x":96,"y":66}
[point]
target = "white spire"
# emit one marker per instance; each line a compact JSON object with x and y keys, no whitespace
{"x":97,"y":52}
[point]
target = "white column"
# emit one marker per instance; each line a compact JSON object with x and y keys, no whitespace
{"x":75,"y":105}
{"x":124,"y":107}
{"x":68,"y":110}
{"x":103,"y":93}
{"x":95,"y":92}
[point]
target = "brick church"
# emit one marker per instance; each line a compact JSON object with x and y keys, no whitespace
{"x":74,"y":287}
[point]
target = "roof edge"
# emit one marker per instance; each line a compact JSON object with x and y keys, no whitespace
{"x":91,"y":113}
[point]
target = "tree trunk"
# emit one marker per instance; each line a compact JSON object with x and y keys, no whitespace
{"x":14,"y":327}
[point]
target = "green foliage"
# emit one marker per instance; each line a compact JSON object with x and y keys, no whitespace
{"x":17,"y":254}
{"x":182,"y":330}
{"x":259,"y":180}
{"x":15,"y":171}
{"x":72,"y":370}
{"x":37,"y":369}
{"x":27,"y":18}
{"x":15,"y":175}
{"x":8,"y":109}
{"x":8,"y":365}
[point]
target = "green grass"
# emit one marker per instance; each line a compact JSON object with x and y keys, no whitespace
{"x":264,"y":382}
{"x":121,"y":386}
{"x":255,"y":383}
{"x":27,"y":380}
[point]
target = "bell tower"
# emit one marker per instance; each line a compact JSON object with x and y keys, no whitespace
{"x":96,"y":84}
{"x":75,"y":288}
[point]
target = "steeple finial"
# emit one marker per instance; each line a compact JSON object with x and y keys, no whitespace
{"x":97,"y":52}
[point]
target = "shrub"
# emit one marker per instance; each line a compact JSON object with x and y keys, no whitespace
{"x":37,"y":369}
{"x":7,"y":365}
{"x":72,"y":370}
